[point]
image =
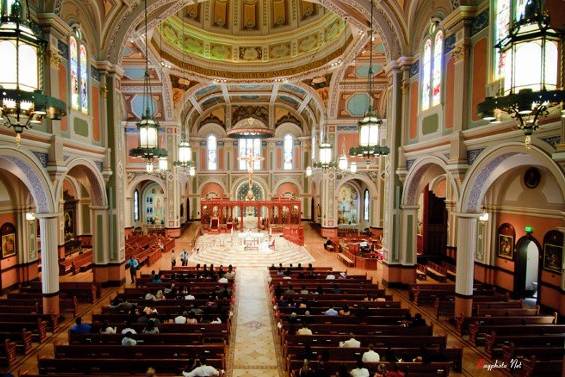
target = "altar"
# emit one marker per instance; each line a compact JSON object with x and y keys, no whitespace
{"x":222,"y":214}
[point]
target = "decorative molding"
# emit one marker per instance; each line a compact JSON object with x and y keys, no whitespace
{"x":552,"y":140}
{"x":63,"y":48}
{"x":409,"y":164}
{"x":473,"y":154}
{"x":414,"y":69}
{"x":449,"y":43}
{"x":42,"y":157}
{"x":480,"y":22}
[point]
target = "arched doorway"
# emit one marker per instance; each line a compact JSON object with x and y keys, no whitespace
{"x":527,"y":269}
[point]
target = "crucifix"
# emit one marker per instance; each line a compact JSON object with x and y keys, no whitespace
{"x":250,"y":160}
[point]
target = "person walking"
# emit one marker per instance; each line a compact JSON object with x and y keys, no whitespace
{"x":173,"y":259}
{"x":133,"y":265}
{"x":184,"y":257}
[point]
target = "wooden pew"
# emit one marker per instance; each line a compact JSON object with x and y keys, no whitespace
{"x":494,"y":342}
{"x":478,"y":331}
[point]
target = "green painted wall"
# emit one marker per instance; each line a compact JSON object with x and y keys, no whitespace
{"x":81,"y":127}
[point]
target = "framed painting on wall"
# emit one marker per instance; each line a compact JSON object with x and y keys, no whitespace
{"x":8,"y":245}
{"x":553,"y":257}
{"x":505,"y":246}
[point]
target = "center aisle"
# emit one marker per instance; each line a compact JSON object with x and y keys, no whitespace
{"x":254,"y":352}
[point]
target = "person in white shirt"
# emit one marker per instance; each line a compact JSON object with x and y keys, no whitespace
{"x":350,"y":343}
{"x":304,"y":330}
{"x":331,"y":312}
{"x":370,"y":356}
{"x":189,"y":297}
{"x":202,"y":371}
{"x":359,"y":371}
{"x":217,"y":321}
{"x":223,"y":280}
{"x":127,"y":340}
{"x":181,"y":319}
{"x":330,"y":277}
{"x":128,"y":329}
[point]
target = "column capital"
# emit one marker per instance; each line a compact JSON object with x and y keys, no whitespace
{"x":467,"y":215}
{"x":52,"y":215}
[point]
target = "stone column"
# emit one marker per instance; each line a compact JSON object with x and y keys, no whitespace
{"x":466,"y":247}
{"x":328,"y":203}
{"x":408,"y":255}
{"x":100,"y":243}
{"x":48,"y":223}
{"x":173,"y":194}
{"x":27,"y":247}
{"x":116,"y":180}
{"x":394,"y":272}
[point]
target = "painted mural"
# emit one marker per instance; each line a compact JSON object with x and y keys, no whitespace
{"x":348,"y":205}
{"x":154,"y":205}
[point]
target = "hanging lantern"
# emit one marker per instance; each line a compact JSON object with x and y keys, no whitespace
{"x":369,"y":125}
{"x":148,"y":127}
{"x":163,"y":164}
{"x":325,"y":154}
{"x":342,"y":162}
{"x":353,"y":167}
{"x":192,"y":171}
{"x":22,"y":103}
{"x":149,"y":167}
{"x":184,"y":154}
{"x":308,"y":171}
{"x":531,"y":55}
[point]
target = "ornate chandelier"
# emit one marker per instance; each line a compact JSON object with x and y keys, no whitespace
{"x":531,"y":51}
{"x":148,"y":146}
{"x":369,"y":125}
{"x":22,"y":103}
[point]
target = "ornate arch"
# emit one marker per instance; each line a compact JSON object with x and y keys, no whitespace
{"x":92,"y":174}
{"x":417,"y":178}
{"x":138,"y":178}
{"x":360,"y":177}
{"x":259,"y":180}
{"x":496,"y":161}
{"x":29,"y":170}
{"x":294,"y":181}
{"x":213,"y":180}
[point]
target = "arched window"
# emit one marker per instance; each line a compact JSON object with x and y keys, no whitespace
{"x":426,"y":70}
{"x":212,"y":146}
{"x":366,"y":204}
{"x":136,"y":205}
{"x":288,"y":152}
{"x":436,"y":77}
{"x":78,"y":61}
{"x":432,"y":69}
{"x":249,"y":147}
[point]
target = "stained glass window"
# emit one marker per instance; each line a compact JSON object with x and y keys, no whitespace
{"x":83,"y":80}
{"x":437,"y":67}
{"x":136,"y":205}
{"x":74,"y":73}
{"x":426,"y":80}
{"x":366,"y":203}
{"x":212,"y":145}
{"x":249,"y":147}
{"x":501,"y":30}
{"x":78,"y":61}
{"x":288,"y":152}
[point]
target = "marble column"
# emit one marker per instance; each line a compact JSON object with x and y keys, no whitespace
{"x":328,"y":203}
{"x":393,"y":271}
{"x":27,"y":247}
{"x":172,"y":182}
{"x":48,"y":223}
{"x":465,"y":268}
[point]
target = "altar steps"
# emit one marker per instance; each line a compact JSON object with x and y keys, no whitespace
{"x":285,"y":253}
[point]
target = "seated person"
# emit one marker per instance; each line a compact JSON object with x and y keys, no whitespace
{"x":191,"y":318}
{"x":128,"y":329}
{"x":128,"y":340}
{"x":418,"y":321}
{"x":331,"y":312}
{"x":350,"y":343}
{"x":202,"y":370}
{"x":304,"y":330}
{"x":80,"y":328}
{"x":150,"y":328}
{"x":181,"y":319}
{"x":345,"y":312}
{"x":359,"y":370}
{"x":393,"y":371}
{"x":370,"y":356}
{"x":107,"y":329}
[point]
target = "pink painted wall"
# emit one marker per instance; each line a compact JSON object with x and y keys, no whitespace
{"x":479,"y":76}
{"x":287,"y":187}
{"x":211,"y":187}
{"x":95,"y":113}
{"x":449,"y":93}
{"x":414,"y":101}
{"x":63,"y":92}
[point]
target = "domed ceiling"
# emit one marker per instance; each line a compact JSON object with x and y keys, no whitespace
{"x":252,"y":38}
